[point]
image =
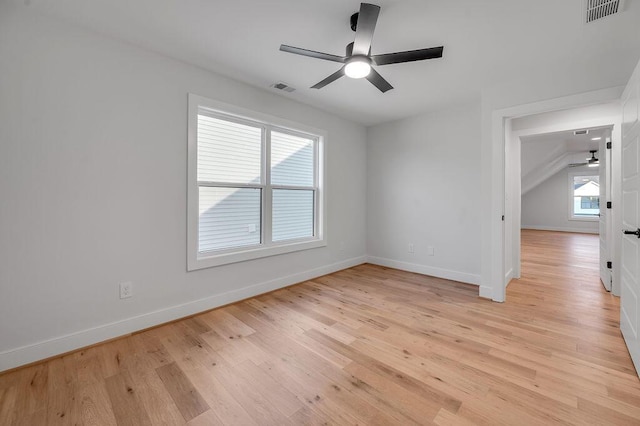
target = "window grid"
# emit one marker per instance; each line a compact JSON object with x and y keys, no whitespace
{"x":266,"y":188}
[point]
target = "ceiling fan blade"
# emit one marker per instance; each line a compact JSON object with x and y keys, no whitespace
{"x":312,"y":53}
{"x":408,"y":56}
{"x":577,"y":164}
{"x":367,"y":19}
{"x":377,"y":80}
{"x":333,"y":77}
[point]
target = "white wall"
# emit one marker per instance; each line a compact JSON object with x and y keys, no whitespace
{"x":423,"y":189}
{"x":93,"y":155}
{"x":547,"y":206}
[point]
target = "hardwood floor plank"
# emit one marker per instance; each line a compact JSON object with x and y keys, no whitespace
{"x":95,"y":407}
{"x":208,"y":418}
{"x":226,"y":408}
{"x":185,"y":396}
{"x":7,"y":403}
{"x":150,"y":350}
{"x":252,"y":401}
{"x":226,"y":325}
{"x":127,"y":407}
{"x":32,"y":393}
{"x":446,"y":418}
{"x":390,"y":372}
{"x":37,"y":417}
{"x":62,"y":408}
{"x":310,"y":389}
{"x":593,"y":412}
{"x":413,"y":406}
{"x":154,"y":396}
{"x":278,"y":395}
{"x":306,"y":416}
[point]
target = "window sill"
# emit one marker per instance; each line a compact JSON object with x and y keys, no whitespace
{"x":205,"y":260}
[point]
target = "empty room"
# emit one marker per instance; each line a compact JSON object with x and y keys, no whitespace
{"x":319,"y":212}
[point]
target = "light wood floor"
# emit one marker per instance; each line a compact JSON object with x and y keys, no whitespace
{"x":368,"y":345}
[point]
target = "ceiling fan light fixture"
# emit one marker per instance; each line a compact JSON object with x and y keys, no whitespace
{"x":358,"y":67}
{"x":358,"y":61}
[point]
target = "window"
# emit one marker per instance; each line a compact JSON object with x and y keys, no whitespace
{"x":255,"y":185}
{"x":584,"y":192}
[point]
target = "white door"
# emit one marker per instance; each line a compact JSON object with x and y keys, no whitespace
{"x":605,"y":217}
{"x":630,"y":271}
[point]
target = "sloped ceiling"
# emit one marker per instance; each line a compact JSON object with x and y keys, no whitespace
{"x":486,"y":43}
{"x":544,"y":155}
{"x":537,"y":148}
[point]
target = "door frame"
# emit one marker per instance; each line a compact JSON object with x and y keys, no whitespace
{"x":494,"y":282}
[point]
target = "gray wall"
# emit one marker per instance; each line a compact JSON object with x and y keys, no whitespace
{"x":424,"y":189}
{"x":93,"y":157}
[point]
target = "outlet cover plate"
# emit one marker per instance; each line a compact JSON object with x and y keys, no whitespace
{"x":126,"y":290}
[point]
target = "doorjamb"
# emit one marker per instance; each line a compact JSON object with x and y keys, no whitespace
{"x":498,"y":117}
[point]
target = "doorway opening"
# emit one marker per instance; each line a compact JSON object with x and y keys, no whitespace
{"x":505,"y":186}
{"x":558,"y":171}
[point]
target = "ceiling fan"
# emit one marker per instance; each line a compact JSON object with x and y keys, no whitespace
{"x":591,"y":161}
{"x":358,"y":58}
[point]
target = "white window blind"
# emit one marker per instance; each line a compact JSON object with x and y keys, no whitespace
{"x":291,"y":160}
{"x":292,"y":214}
{"x":228,"y":152}
{"x":229,"y":217}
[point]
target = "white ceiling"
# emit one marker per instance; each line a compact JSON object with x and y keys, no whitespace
{"x":486,"y":44}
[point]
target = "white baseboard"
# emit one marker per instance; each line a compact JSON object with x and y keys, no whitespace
{"x":508,"y":277}
{"x":59,"y":345}
{"x":486,"y":292}
{"x":560,"y":229}
{"x":426,"y":270}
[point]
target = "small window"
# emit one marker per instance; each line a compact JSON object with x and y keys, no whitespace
{"x":255,"y":185}
{"x":584,"y":192}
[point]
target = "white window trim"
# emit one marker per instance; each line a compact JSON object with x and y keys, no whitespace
{"x":572,"y":175}
{"x":196,"y":260}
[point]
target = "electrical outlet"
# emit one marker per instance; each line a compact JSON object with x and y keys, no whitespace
{"x":430,"y":251}
{"x":411,"y":248}
{"x":126,"y":290}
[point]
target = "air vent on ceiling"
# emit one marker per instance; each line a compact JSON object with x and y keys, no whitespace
{"x":581,"y":132}
{"x":598,"y":9}
{"x":283,"y":86}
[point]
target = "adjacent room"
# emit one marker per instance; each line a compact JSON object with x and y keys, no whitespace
{"x":296,"y":212}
